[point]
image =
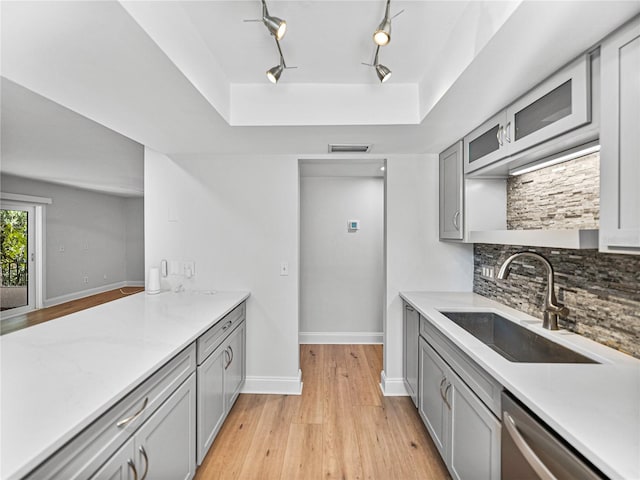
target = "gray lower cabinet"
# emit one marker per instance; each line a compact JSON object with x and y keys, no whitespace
{"x":220,"y":377}
{"x":464,"y":430}
{"x":410,"y":332}
{"x":164,"y":446}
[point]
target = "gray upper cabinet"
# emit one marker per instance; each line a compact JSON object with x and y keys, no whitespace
{"x":451,"y":193}
{"x":620,"y":141}
{"x":558,"y":105}
{"x":485,"y":145}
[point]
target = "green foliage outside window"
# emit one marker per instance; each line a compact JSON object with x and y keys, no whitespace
{"x":13,"y":238}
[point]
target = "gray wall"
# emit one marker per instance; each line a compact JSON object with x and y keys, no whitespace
{"x":342,"y":277}
{"x":102,"y":236}
{"x":557,"y":197}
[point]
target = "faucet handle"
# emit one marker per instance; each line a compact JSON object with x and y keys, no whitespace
{"x":559,"y":310}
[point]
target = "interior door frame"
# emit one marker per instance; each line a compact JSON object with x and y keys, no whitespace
{"x":36,"y":228}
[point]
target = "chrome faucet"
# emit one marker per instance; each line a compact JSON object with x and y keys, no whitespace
{"x":552,"y":309}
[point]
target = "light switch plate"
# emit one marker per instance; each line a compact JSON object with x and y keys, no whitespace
{"x":284,"y":269}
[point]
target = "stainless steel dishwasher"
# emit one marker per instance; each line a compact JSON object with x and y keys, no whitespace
{"x":530,"y":451}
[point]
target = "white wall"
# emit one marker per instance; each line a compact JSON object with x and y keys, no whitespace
{"x":237,"y":218}
{"x":416,"y":260}
{"x":94,"y":229}
{"x":341,"y":272}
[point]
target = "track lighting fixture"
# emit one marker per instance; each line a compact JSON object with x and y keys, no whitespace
{"x":382,"y":35}
{"x":382,"y":71}
{"x":273,"y":74}
{"x":276,"y":26}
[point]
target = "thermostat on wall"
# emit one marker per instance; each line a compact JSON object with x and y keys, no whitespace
{"x":354,"y":225}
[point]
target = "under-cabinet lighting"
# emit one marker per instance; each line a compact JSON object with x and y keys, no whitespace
{"x":382,"y":168}
{"x":555,"y":161}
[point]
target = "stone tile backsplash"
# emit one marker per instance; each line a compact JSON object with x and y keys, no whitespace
{"x":562,"y":196}
{"x":601,"y":290}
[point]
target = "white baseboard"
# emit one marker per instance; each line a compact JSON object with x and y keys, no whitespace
{"x":392,"y":387}
{"x":328,"y":338}
{"x":90,"y":291}
{"x":274,"y":385}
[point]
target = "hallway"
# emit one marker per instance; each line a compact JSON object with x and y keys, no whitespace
{"x":341,"y":427}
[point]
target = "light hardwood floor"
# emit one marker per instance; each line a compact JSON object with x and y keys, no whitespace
{"x":341,"y":427}
{"x":51,"y":313}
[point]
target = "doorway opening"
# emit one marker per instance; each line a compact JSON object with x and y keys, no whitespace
{"x":20,"y":276}
{"x":342,"y":251}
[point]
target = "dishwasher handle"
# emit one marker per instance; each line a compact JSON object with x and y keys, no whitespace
{"x":527,"y":452}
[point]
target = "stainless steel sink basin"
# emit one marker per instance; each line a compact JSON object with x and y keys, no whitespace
{"x":512,"y":341}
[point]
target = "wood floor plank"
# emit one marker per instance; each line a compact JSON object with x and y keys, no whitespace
{"x":374,"y":439}
{"x":311,"y":404}
{"x":364,"y":388}
{"x":223,"y":462}
{"x":341,"y":453}
{"x":411,"y":440}
{"x":303,"y":456}
{"x":266,"y":454}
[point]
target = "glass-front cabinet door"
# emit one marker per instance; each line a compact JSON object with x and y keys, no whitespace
{"x":556,"y":106}
{"x":485,"y":144}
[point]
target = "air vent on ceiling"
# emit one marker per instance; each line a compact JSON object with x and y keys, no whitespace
{"x":349,"y":148}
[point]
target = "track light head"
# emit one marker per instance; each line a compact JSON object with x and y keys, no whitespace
{"x":383,"y":72}
{"x":276,"y":26}
{"x":273,"y":74}
{"x":382,"y":35}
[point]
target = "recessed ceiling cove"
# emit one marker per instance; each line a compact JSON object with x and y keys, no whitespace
{"x":328,"y":41}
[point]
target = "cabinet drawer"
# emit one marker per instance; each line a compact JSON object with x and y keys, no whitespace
{"x":212,"y":338}
{"x":83,"y":455}
{"x":482,"y":384}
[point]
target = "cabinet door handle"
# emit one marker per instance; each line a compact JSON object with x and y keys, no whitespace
{"x":499,"y":135}
{"x":456,"y":217}
{"x":125,"y":421}
{"x":132,"y":466}
{"x":409,"y":308}
{"x":527,"y":452}
{"x":231,"y":350}
{"x":227,"y":325}
{"x":228,"y":356}
{"x":444,"y":379}
{"x":507,"y":132}
{"x":446,"y":392}
{"x":146,"y":462}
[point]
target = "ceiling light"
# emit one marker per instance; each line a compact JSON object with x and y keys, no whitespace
{"x":276,"y":26}
{"x":382,"y":169}
{"x":383,"y":72}
{"x":575,"y":153}
{"x":382,"y":35}
{"x":273,"y":74}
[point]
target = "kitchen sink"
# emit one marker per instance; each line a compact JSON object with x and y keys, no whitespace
{"x":512,"y":341}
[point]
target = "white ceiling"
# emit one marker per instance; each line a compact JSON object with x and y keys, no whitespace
{"x":187,"y":78}
{"x":42,"y":140}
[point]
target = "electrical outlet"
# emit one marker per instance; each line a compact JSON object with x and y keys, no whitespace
{"x":188,"y":269}
{"x":61,"y":248}
{"x":85,"y":279}
{"x":487,"y":272}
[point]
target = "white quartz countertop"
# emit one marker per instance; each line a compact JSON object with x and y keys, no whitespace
{"x":594,"y":407}
{"x":60,"y":376}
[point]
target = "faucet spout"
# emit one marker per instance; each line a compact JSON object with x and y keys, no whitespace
{"x":552,"y":308}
